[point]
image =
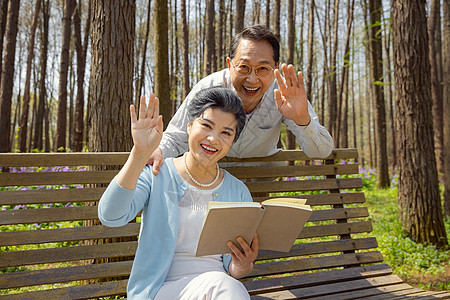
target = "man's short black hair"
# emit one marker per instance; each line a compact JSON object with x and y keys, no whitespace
{"x":222,"y":98}
{"x":256,"y":33}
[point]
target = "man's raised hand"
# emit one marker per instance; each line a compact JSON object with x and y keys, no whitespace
{"x":291,"y":97}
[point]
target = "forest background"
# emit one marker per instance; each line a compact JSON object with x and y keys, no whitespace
{"x":376,"y":72}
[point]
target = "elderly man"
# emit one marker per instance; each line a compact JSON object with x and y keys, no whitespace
{"x":268,"y":101}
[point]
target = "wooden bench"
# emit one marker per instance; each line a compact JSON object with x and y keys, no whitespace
{"x":47,"y":247}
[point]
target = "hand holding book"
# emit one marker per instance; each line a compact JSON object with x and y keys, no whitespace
{"x":278,"y":223}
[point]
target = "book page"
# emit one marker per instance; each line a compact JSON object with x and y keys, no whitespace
{"x":287,"y":202}
{"x":281,"y":225}
{"x":224,"y":222}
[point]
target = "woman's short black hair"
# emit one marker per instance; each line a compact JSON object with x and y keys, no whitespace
{"x":222,"y":98}
{"x":256,"y":33}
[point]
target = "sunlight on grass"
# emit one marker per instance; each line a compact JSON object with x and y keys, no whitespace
{"x":422,"y":265}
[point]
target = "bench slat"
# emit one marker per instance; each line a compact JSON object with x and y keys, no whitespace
{"x":50,"y":196}
{"x":321,"y":247}
{"x":60,"y":214}
{"x":305,"y":185}
{"x":43,"y":215}
{"x":335,"y":229}
{"x":93,"y":194}
{"x":67,"y":234}
{"x":87,"y":291}
{"x":314,"y":263}
{"x":292,"y":171}
{"x":132,"y":229}
{"x":324,"y":199}
{"x":60,"y":275}
{"x":63,"y":159}
{"x":338,"y":213}
{"x":64,"y":254}
{"x":376,"y":290}
{"x":57,"y":178}
{"x":272,"y":284}
{"x":293,"y":155}
{"x":336,"y":289}
{"x":397,"y":291}
{"x":119,"y":158}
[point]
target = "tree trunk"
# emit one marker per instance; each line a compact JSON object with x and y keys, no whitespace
{"x":81,"y":67}
{"x":210,"y":43}
{"x":162,"y":88}
{"x":61,"y":124}
{"x":144,"y":52}
{"x":388,"y":61}
{"x":240,"y":14}
{"x":310,"y":52}
{"x":256,"y":12}
{"x":184,"y":28}
{"x":446,"y":85}
{"x":3,"y":18}
{"x":342,"y":117}
{"x":376,"y":61}
{"x":436,"y":91}
{"x":332,"y":77}
{"x":418,"y":191}
{"x":268,"y":13}
{"x":111,"y":83}
{"x":230,"y":10}
{"x":220,"y":39}
{"x":38,"y":133}
{"x":290,"y":137}
{"x":276,"y":20}
{"x":23,"y":124}
{"x":7,"y":75}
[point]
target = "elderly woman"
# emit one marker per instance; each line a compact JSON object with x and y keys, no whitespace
{"x":174,"y":203}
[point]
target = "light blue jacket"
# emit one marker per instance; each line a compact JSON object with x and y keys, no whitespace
{"x":158,"y":198}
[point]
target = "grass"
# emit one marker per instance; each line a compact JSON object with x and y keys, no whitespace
{"x":420,"y":265}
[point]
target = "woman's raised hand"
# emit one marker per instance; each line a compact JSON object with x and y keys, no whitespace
{"x":147,"y":131}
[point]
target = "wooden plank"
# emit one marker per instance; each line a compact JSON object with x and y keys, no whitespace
{"x":325,"y":199}
{"x":61,"y":214}
{"x":384,"y":292}
{"x":335,"y":229}
{"x":314,"y":263}
{"x":45,"y":215}
{"x":333,"y":288}
{"x":338,"y":213}
{"x":292,"y":155}
{"x":304,"y":185}
{"x":119,"y":158}
{"x":57,"y":178}
{"x":67,"y":274}
{"x":403,"y":290}
{"x":50,"y":196}
{"x":64,"y":254}
{"x":315,"y":279}
{"x":321,"y":247}
{"x":292,"y":171}
{"x":87,"y":291}
{"x":67,"y":234}
{"x":62,"y":159}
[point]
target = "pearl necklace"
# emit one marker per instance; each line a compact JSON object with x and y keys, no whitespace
{"x":195,"y":181}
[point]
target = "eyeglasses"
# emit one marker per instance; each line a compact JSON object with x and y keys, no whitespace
{"x":260,"y":71}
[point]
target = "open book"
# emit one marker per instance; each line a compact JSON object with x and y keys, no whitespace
{"x":278,"y":223}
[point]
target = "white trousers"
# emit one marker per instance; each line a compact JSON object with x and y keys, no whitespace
{"x":207,"y":286}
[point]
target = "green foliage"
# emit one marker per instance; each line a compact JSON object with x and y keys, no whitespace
{"x":422,"y":265}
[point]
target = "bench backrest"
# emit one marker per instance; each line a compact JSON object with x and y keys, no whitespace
{"x":49,"y":238}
